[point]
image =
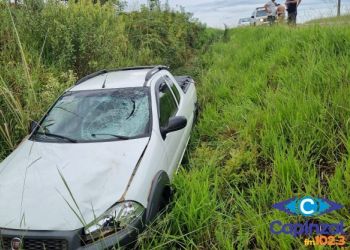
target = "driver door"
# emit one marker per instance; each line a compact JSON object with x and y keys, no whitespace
{"x":167,"y":108}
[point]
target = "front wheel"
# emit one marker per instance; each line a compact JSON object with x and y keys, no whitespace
{"x":159,"y":197}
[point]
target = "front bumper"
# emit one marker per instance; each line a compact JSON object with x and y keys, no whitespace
{"x":69,"y":240}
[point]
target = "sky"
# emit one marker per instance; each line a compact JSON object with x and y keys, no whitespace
{"x":220,"y":12}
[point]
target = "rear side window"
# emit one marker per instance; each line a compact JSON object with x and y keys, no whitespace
{"x":167,"y":104}
{"x":173,"y":88}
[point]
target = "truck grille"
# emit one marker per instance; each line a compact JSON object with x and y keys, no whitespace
{"x":36,"y":244}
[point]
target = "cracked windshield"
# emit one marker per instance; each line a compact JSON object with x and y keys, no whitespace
{"x":97,"y":115}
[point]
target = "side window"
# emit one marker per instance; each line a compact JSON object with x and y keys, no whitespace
{"x":166,"y":102}
{"x":173,"y":88}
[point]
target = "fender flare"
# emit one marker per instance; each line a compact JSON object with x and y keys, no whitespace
{"x":159,"y":195}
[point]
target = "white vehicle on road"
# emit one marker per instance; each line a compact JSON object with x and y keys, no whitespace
{"x":97,"y":167}
{"x":259,"y":17}
{"x":244,"y":22}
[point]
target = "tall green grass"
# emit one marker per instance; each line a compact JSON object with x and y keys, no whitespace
{"x":339,"y":20}
{"x":274,"y":125}
{"x":274,"y":121}
{"x":45,"y":47}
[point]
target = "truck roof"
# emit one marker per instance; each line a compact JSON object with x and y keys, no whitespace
{"x":118,"y":78}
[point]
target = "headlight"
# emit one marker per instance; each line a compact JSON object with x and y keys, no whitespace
{"x":115,"y":219}
{"x":261,"y":20}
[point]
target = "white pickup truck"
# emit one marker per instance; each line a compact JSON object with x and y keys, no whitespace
{"x":98,"y":166}
{"x":259,"y":17}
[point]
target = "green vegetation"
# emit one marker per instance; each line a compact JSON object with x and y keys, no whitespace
{"x":345,"y":20}
{"x":274,"y":125}
{"x":44,"y":48}
{"x":274,"y":122}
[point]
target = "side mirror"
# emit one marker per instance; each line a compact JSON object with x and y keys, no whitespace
{"x":175,"y":123}
{"x":32,"y":126}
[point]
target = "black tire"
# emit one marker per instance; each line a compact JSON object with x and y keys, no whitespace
{"x":196,"y":112}
{"x":159,"y":197}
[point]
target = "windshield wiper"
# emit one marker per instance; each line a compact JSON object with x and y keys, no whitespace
{"x":57,"y":136}
{"x":117,"y":136}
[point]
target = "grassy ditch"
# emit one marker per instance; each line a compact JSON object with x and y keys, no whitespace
{"x":274,"y":125}
{"x":274,"y":122}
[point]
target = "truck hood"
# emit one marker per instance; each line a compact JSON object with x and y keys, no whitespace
{"x":45,"y":186}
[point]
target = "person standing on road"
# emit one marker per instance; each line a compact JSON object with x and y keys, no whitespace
{"x":292,"y":9}
{"x":271,"y":9}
